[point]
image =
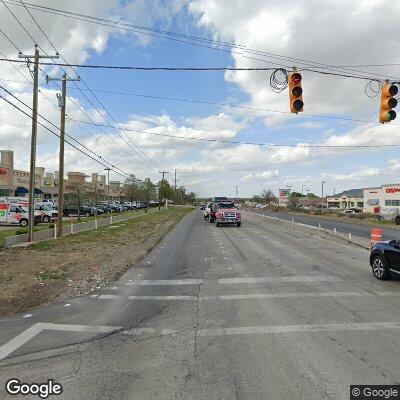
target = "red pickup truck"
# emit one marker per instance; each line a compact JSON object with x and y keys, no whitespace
{"x":227,"y":213}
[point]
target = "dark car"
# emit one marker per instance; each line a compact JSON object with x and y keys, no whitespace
{"x":72,"y":211}
{"x":385,"y":259}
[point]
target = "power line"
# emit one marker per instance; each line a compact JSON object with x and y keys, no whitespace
{"x":56,"y":134}
{"x":69,"y":136}
{"x":16,"y":18}
{"x":193,"y":69}
{"x":193,"y":40}
{"x":250,"y":143}
{"x":186,"y":100}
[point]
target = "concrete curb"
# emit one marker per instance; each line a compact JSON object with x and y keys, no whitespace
{"x":313,"y":230}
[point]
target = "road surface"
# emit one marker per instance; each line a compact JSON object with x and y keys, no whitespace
{"x":257,"y":312}
{"x":355,"y":229}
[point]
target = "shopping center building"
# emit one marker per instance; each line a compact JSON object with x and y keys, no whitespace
{"x":347,"y":199}
{"x":382,"y":199}
{"x":14,"y":182}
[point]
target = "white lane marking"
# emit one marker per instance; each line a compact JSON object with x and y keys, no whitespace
{"x":182,"y":297}
{"x":150,"y":331}
{"x":239,"y":296}
{"x":279,"y":279}
{"x":282,"y":295}
{"x":110,"y":296}
{"x":167,"y":282}
{"x":28,"y":334}
{"x":27,"y":316}
{"x":66,"y":305}
{"x":265,"y":330}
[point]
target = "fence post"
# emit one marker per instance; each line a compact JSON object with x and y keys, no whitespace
{"x":72,"y":228}
{"x":334,"y":230}
{"x":95,"y":223}
{"x":55,"y":231}
{"x":319,"y":225}
{"x":349,"y":237}
{"x":111,"y":219}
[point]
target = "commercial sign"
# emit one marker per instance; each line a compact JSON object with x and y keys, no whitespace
{"x":284,"y":195}
{"x":392,"y":190}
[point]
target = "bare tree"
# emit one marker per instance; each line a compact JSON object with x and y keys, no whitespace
{"x":268,"y":196}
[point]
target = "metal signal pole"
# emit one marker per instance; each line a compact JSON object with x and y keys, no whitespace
{"x":62,"y":104}
{"x":32,"y":169}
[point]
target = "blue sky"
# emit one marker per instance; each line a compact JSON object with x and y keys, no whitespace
{"x":210,"y":168}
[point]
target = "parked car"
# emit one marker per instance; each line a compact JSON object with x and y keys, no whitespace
{"x":347,"y":212}
{"x":73,"y":211}
{"x":385,"y":259}
{"x":105,"y":208}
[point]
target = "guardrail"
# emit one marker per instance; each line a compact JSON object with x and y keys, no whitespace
{"x":70,"y":229}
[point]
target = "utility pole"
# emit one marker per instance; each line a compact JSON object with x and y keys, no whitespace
{"x":175,"y":181}
{"x":32,"y":169}
{"x":62,"y":99}
{"x":162,"y":187}
{"x":322,"y":197}
{"x":108,"y":186}
{"x":237,"y":191}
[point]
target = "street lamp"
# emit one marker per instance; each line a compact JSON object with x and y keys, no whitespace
{"x":308,"y":197}
{"x":302,"y":189}
{"x":322,"y":197}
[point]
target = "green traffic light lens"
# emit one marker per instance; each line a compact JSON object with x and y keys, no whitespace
{"x":391,"y":115}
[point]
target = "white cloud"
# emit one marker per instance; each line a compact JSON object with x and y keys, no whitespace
{"x":260,"y":176}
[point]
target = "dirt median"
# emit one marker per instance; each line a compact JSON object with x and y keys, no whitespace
{"x":80,"y":263}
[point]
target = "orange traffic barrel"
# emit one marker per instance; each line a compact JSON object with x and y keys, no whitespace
{"x":376,"y":235}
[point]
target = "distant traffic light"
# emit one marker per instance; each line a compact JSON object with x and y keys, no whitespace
{"x":295,"y":92}
{"x":388,"y":102}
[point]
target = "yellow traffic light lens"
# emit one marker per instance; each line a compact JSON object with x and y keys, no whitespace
{"x":297,"y":91}
{"x":392,"y":102}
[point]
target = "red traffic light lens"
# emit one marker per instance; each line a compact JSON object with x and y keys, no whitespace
{"x":298,"y":105}
{"x":296,"y":78}
{"x":297,"y":91}
{"x":393,"y":90}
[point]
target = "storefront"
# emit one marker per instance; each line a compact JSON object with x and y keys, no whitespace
{"x":348,"y":199}
{"x":384,"y":199}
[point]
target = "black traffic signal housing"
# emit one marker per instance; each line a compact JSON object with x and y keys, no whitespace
{"x":388,"y":102}
{"x":295,"y":92}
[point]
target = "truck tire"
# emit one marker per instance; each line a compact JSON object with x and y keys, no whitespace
{"x":87,"y":214}
{"x":217,"y":224}
{"x":239,"y":224}
{"x":397,"y":220}
{"x":46,"y":219}
{"x":23,"y":222}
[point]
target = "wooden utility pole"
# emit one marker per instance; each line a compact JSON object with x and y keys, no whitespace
{"x":32,"y":169}
{"x":162,"y":187}
{"x":62,"y":99}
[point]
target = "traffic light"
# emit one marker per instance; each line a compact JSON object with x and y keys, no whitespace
{"x":295,"y":92}
{"x":388,"y":102}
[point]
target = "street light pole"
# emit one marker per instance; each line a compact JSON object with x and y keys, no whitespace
{"x":308,"y":197}
{"x":302,"y":189}
{"x":322,"y":197}
{"x":108,"y":183}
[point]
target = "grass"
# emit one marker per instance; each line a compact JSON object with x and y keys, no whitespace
{"x":19,"y":231}
{"x":52,"y":274}
{"x":105,"y":235}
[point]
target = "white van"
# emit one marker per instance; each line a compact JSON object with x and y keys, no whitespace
{"x":14,"y":214}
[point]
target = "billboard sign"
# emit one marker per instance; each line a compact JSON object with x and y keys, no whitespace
{"x":284,"y":195}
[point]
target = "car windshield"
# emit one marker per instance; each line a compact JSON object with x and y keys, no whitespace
{"x":226,"y":205}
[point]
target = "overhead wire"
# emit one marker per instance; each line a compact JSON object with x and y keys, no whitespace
{"x":141,"y":153}
{"x":173,"y":36}
{"x":253,"y":143}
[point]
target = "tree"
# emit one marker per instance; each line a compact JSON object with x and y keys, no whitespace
{"x":268,"y":196}
{"x":256,"y":199}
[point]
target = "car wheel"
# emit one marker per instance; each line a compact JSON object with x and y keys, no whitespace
{"x":87,"y":214}
{"x":217,"y":224}
{"x":46,"y":219}
{"x":397,"y":220}
{"x":23,"y":223}
{"x":379,"y":268}
{"x":239,"y":224}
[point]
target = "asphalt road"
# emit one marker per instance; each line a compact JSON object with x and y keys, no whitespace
{"x":257,"y":312}
{"x":360,"y":230}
